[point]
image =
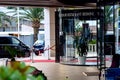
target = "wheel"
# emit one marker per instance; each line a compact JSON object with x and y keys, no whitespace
{"x":36,"y":53}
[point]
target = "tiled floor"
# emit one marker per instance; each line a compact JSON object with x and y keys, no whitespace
{"x":57,"y":71}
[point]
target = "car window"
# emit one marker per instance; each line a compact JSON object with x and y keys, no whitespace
{"x":5,"y":40}
{"x":39,"y":42}
{"x":15,"y":41}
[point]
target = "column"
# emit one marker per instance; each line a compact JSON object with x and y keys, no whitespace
{"x":49,"y":26}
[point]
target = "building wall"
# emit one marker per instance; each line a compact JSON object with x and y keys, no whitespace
{"x":49,"y":27}
{"x":27,"y":39}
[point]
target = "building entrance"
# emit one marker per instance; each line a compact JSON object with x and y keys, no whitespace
{"x":79,"y":34}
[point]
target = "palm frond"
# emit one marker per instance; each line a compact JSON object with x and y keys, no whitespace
{"x":4,"y":17}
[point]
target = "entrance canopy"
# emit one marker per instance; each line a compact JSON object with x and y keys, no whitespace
{"x":38,"y":3}
{"x":57,"y":3}
{"x":88,"y":2}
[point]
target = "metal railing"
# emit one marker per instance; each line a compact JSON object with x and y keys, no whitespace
{"x":92,"y":48}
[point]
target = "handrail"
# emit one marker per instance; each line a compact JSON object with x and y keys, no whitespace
{"x":92,"y":48}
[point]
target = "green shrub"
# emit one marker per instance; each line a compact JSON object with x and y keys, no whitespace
{"x":18,"y":71}
{"x":92,"y":41}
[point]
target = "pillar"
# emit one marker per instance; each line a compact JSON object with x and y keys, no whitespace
{"x":49,"y":26}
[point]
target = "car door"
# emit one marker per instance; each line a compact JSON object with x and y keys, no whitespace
{"x":24,"y":50}
{"x":4,"y":41}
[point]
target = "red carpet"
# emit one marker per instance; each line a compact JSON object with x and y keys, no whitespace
{"x":75,"y":60}
{"x":54,"y":60}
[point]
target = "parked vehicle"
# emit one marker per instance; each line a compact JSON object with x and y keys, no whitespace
{"x":38,"y":47}
{"x":14,"y":42}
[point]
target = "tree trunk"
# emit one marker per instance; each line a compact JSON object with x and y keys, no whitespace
{"x":36,"y":25}
{"x":36,"y":30}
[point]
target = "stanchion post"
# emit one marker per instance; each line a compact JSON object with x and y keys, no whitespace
{"x":6,"y":62}
{"x":39,"y":53}
{"x":32,"y":56}
{"x":48,"y":53}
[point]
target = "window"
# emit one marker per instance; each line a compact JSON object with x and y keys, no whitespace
{"x":5,"y":40}
{"x":15,"y":41}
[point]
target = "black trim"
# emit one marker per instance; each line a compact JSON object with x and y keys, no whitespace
{"x":77,"y":2}
{"x":81,"y":2}
{"x":57,"y":55}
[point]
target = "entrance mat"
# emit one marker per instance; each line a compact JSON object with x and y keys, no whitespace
{"x":91,"y":73}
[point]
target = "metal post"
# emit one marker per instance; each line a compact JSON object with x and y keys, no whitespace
{"x":66,"y":50}
{"x":32,"y":60}
{"x":48,"y":53}
{"x":18,"y":17}
{"x":117,"y":31}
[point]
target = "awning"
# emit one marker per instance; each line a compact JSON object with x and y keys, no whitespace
{"x":58,"y":3}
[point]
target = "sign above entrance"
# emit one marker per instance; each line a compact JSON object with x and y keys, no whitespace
{"x":83,"y":14}
{"x":107,"y":2}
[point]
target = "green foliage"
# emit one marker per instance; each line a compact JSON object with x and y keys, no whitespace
{"x":76,"y":43}
{"x":92,"y":41}
{"x":18,"y":71}
{"x":34,"y":14}
{"x":13,"y":51}
{"x":81,"y":47}
{"x":108,"y":13}
{"x":4,"y":18}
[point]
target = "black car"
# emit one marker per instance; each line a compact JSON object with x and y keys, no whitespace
{"x":14,"y":42}
{"x":38,"y":47}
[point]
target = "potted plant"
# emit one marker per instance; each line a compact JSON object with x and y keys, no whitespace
{"x":17,"y":70}
{"x":12,"y":51}
{"x":93,"y":41}
{"x":81,"y":47}
{"x":81,"y":39}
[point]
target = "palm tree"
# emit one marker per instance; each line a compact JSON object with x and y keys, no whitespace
{"x":108,"y":16}
{"x":14,"y":11}
{"x":16,"y":16}
{"x":35,"y":15}
{"x":4,"y":19}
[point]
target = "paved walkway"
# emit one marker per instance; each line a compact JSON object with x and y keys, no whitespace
{"x":57,"y":71}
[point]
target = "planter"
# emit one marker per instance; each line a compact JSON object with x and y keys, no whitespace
{"x":82,"y":60}
{"x":13,"y":63}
